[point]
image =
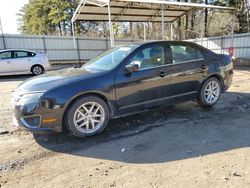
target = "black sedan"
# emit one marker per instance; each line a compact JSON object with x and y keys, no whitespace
{"x":122,"y":81}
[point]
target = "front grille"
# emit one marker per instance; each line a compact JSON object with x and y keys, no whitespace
{"x":31,"y":121}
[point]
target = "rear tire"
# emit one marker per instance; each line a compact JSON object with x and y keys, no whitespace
{"x":37,"y":70}
{"x":210,"y":92}
{"x":87,"y":116}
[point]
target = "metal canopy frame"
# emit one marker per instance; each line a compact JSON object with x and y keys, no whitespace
{"x":160,"y":11}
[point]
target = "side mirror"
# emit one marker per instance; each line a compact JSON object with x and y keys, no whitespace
{"x":133,"y":67}
{"x":77,"y":66}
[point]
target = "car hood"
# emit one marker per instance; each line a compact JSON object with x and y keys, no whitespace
{"x":54,"y":79}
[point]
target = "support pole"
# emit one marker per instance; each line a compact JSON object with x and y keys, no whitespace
{"x":145,"y":35}
{"x":44,"y":44}
{"x":232,"y":31}
{"x":76,"y":46}
{"x":202,"y":25}
{"x":73,"y":32}
{"x":162,"y":23}
{"x":1,"y":27}
{"x":247,"y":7}
{"x":111,"y":33}
{"x":171,"y":31}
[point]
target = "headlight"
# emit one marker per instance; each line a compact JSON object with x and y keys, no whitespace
{"x":26,"y":102}
{"x":28,"y":98}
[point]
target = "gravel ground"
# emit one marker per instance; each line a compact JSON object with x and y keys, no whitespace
{"x":179,"y":146}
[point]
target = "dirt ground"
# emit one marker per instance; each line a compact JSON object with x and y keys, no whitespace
{"x":180,"y":146}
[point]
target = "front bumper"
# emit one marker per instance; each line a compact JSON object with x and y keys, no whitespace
{"x":37,"y":130}
{"x":34,"y":120}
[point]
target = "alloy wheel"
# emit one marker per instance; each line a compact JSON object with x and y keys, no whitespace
{"x":212,"y":92}
{"x":89,"y":117}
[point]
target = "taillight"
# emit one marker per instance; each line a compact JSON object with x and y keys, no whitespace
{"x":228,"y":61}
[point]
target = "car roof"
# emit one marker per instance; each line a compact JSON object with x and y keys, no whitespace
{"x":7,"y":50}
{"x":141,"y":43}
{"x":164,"y":41}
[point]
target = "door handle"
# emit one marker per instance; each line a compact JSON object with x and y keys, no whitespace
{"x":162,"y":74}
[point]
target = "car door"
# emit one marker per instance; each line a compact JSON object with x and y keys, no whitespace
{"x":166,"y":76}
{"x":5,"y":62}
{"x":141,"y":89}
{"x":188,"y":69}
{"x":21,"y":61}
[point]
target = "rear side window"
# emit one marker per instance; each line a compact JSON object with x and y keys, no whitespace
{"x":5,"y":55}
{"x":20,"y":54}
{"x":185,"y":53}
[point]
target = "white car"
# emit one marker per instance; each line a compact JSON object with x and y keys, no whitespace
{"x":23,"y":62}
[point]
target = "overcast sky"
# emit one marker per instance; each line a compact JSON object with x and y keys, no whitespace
{"x":8,"y":11}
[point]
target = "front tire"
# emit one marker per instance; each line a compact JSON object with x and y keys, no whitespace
{"x":210,"y":92}
{"x":87,"y":116}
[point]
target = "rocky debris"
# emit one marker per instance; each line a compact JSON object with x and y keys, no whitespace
{"x":2,"y":132}
{"x":12,"y":166}
{"x":246,"y":106}
{"x":204,"y":141}
{"x":236,"y":174}
{"x":105,"y":172}
{"x":19,"y":164}
{"x":230,"y":175}
{"x":136,"y":131}
{"x":241,"y":109}
{"x":112,"y":184}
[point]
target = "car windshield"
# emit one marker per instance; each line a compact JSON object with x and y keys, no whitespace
{"x":109,"y":59}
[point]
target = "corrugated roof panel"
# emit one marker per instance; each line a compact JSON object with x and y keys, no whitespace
{"x":135,"y":10}
{"x":125,"y":18}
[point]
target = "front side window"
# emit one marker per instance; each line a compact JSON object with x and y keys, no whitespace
{"x":109,"y":60}
{"x":5,"y":55}
{"x":185,"y":53}
{"x":150,"y":57}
